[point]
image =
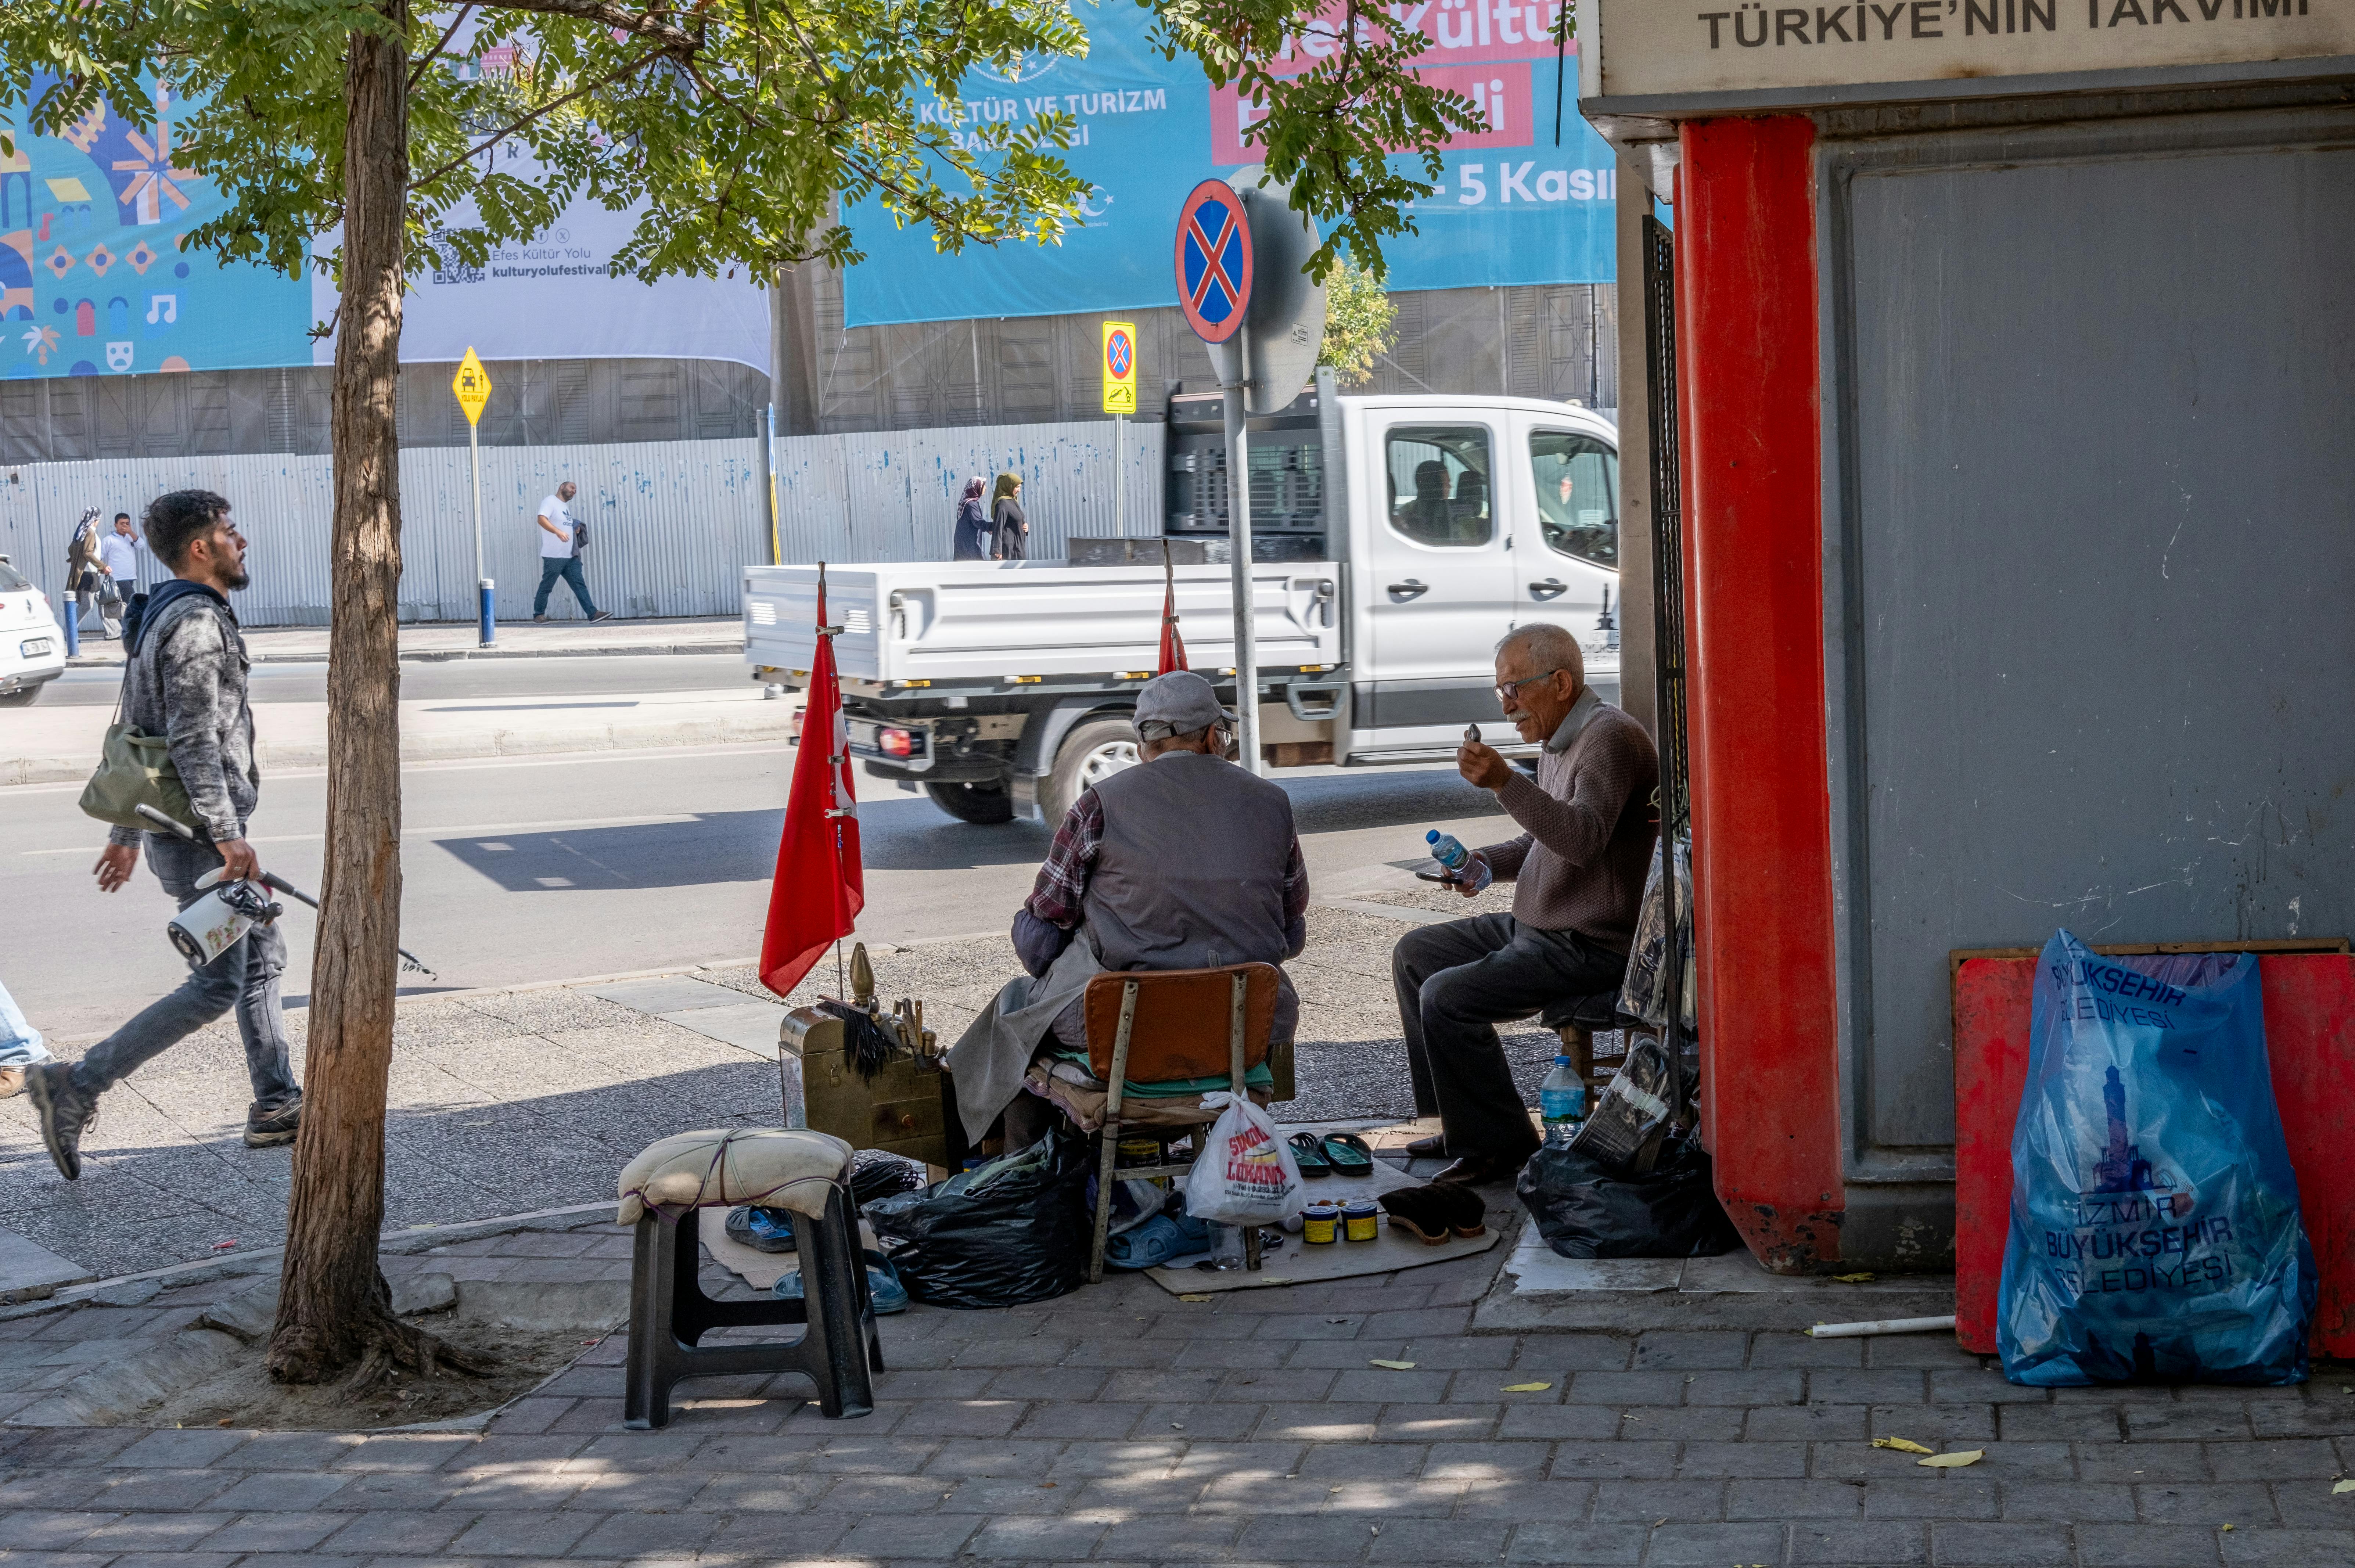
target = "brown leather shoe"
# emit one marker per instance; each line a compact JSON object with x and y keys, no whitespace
{"x":1479,"y":1169}
{"x":1432,"y":1147}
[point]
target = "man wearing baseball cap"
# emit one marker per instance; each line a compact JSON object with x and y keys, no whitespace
{"x":1185,"y":861}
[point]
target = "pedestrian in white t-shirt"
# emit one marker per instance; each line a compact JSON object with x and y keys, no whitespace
{"x":559,"y":555}
{"x":118,"y":559}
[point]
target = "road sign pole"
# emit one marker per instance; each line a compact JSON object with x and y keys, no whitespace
{"x":1119,"y":476}
{"x":488,"y":630}
{"x":1234,"y":378}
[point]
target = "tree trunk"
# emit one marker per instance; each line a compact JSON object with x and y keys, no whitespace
{"x":333,"y":1310}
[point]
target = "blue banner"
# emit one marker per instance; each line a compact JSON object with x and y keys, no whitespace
{"x":1512,"y":207}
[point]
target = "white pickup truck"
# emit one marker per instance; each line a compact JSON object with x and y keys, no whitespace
{"x":1008,"y":687}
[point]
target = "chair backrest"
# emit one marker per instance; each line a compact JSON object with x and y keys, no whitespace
{"x":1184,"y":1021}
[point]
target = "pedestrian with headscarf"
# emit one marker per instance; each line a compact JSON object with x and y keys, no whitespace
{"x":1005,"y":517}
{"x":972,"y":523}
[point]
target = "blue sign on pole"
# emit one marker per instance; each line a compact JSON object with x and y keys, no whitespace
{"x":1214,"y":260}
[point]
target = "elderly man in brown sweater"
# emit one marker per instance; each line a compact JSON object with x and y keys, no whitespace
{"x":1578,"y":868}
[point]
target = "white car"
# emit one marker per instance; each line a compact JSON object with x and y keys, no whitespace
{"x":32,"y":644}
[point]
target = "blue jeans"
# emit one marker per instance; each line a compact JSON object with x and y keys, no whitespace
{"x":21,"y":1042}
{"x":567,"y":567}
{"x":245,"y":978}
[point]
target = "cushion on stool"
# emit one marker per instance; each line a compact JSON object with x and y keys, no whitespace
{"x":779,"y":1167}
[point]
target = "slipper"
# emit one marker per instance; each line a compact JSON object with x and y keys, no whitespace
{"x":1166,"y":1241}
{"x":764,"y":1229}
{"x":1309,"y":1150}
{"x":1421,"y":1209}
{"x":883,"y":1287}
{"x":1350,"y":1155}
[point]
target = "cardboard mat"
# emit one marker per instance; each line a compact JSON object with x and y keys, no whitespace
{"x":1296,"y":1263}
{"x":756,"y":1268}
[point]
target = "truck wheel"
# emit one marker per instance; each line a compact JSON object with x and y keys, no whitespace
{"x":974,"y":802}
{"x":1092,"y":752}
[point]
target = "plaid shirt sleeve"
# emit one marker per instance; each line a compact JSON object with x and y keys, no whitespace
{"x":1064,"y":879}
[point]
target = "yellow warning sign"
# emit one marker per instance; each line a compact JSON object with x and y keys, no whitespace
{"x":1120,"y":367}
{"x":473,"y":385}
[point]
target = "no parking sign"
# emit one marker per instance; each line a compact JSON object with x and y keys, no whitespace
{"x":1120,"y":367}
{"x":1214,"y":260}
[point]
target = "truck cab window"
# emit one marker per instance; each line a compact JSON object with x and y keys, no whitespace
{"x":1578,"y":495}
{"x":1439,"y":490}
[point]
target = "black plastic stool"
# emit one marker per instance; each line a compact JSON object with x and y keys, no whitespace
{"x":669,"y":1313}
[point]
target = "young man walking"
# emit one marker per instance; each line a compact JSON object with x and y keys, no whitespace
{"x":118,"y":553}
{"x":560,"y":539}
{"x":183,"y":679}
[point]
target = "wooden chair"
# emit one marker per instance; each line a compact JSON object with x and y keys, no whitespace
{"x":1575,"y":1019}
{"x":1160,"y":1026}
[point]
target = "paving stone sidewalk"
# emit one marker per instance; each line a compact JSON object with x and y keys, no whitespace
{"x":1120,"y":1424}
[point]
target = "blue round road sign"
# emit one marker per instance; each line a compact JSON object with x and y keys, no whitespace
{"x":1117,"y":353}
{"x":1214,"y":260}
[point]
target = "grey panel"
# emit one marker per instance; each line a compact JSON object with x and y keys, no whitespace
{"x":2094,"y":549}
{"x":1402,"y":704}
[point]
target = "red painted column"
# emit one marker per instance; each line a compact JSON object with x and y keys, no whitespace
{"x":1746,"y":332}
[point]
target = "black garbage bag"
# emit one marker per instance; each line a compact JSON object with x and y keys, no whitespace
{"x":1584,"y":1208}
{"x":1014,"y":1230}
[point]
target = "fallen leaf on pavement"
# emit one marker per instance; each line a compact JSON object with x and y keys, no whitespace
{"x":2347,"y":1486}
{"x":1527,"y":1388}
{"x":2226,"y":1527}
{"x":1193,"y":1298}
{"x":1853,"y":1278}
{"x":1395,"y":1365}
{"x":1903,"y":1444}
{"x":1953,"y":1461}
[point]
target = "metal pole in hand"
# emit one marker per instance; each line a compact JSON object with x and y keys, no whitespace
{"x":1233,"y":376}
{"x":488,"y":628}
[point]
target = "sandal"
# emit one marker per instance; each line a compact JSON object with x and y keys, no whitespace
{"x":1308,"y":1151}
{"x":1421,"y":1209}
{"x":1350,"y":1154}
{"x":885,"y":1291}
{"x":1164,"y":1241}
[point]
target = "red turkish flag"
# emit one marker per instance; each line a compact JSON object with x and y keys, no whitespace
{"x":1173,"y":647}
{"x":820,"y":887}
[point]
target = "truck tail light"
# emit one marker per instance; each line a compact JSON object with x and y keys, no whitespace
{"x":895,"y":742}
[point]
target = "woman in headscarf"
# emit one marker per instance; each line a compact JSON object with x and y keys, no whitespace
{"x":972,"y":524}
{"x":1005,"y":517}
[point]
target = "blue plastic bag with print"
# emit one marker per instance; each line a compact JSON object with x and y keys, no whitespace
{"x":2155,"y":1230}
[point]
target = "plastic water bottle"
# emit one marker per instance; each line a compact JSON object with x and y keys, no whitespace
{"x":1562,"y":1102}
{"x":1455,"y":859}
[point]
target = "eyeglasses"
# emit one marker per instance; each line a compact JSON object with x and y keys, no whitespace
{"x":1505,"y":688}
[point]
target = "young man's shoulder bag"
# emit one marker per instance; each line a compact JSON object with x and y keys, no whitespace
{"x":133,"y":769}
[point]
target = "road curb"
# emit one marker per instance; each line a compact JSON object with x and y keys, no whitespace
{"x":445,"y":656}
{"x":772,"y":722}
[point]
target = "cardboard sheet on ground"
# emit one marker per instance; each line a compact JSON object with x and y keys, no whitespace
{"x":756,"y":1268}
{"x":1298,"y":1263}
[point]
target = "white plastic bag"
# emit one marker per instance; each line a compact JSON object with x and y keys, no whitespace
{"x":1246,"y":1174}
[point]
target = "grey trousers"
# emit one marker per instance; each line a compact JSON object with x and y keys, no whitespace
{"x":245,"y":978}
{"x":1455,"y":983}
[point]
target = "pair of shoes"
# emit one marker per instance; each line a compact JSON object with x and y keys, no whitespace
{"x":1344,"y":1152}
{"x":762,"y":1230}
{"x":268,"y":1127}
{"x":1435,"y":1212}
{"x":65,"y":1113}
{"x":883,"y":1287}
{"x":601,"y":616}
{"x":1168,"y":1239}
{"x":536,"y":620}
{"x":1433,"y":1147}
{"x":1479,"y":1169}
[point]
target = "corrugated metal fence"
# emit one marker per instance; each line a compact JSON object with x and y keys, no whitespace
{"x":669,"y":522}
{"x":892,"y":495}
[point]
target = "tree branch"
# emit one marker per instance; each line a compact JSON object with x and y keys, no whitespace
{"x":678,"y":45}
{"x":546,"y":109}
{"x":455,"y":23}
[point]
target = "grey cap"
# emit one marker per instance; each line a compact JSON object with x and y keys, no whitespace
{"x":1180,"y":701}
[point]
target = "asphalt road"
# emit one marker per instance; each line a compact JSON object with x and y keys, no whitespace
{"x":426,"y":680}
{"x":527,"y":870}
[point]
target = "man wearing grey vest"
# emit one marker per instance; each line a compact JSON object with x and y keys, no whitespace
{"x":1578,"y":871}
{"x":1185,"y":861}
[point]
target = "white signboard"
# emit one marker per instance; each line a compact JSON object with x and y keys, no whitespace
{"x":1648,"y":48}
